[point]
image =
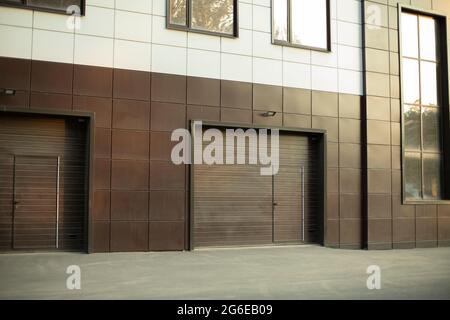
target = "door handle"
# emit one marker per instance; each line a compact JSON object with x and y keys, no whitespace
{"x":275,"y":204}
{"x":16,"y":203}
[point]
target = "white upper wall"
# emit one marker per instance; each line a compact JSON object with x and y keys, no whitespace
{"x":131,"y":34}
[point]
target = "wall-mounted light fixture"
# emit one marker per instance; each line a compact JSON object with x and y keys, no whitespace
{"x":7,"y":92}
{"x":269,"y":114}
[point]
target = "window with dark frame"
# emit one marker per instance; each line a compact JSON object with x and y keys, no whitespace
{"x":58,"y":6}
{"x":301,"y":23}
{"x":424,"y":107}
{"x":218,"y":17}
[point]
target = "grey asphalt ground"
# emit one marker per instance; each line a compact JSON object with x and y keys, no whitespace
{"x":308,"y":272}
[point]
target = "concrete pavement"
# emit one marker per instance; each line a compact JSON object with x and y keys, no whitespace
{"x":308,"y":272}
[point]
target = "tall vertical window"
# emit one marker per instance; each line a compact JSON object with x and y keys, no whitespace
{"x":423,"y":107}
{"x":302,"y":23}
{"x":205,"y":16}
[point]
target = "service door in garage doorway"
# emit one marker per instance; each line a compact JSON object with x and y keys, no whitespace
{"x":35,"y":204}
{"x":234,"y":205}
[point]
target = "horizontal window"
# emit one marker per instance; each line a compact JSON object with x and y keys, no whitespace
{"x":204,"y":16}
{"x":62,"y":6}
{"x":301,"y":23}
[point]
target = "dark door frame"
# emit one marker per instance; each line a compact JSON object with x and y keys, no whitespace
{"x":90,"y":143}
{"x":320,"y":133}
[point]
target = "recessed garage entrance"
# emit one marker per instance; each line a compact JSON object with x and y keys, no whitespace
{"x":234,"y":205}
{"x":43,"y":182}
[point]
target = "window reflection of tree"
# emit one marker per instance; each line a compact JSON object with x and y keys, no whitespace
{"x":178,"y":12}
{"x":213,"y":15}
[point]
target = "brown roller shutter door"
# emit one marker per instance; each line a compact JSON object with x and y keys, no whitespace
{"x":234,"y":205}
{"x":43,"y":182}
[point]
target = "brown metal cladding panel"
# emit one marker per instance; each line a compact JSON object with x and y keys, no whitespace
{"x":129,"y":206}
{"x":268,"y":98}
{"x":133,"y":145}
{"x":168,"y":88}
{"x":102,"y":107}
{"x":167,"y":176}
{"x":202,"y":113}
{"x":131,"y":114}
{"x":161,"y":146}
{"x":167,"y":205}
{"x":51,"y":77}
{"x":129,"y":175}
{"x":35,"y":142}
{"x":129,"y":236}
{"x":167,"y":116}
{"x":21,"y":99}
{"x":131,"y":84}
{"x":50,"y":101}
{"x":15,"y":73}
{"x":92,"y":81}
{"x":236,"y":94}
{"x":100,"y":236}
{"x":101,"y":205}
{"x":165,"y":236}
{"x":203,"y":91}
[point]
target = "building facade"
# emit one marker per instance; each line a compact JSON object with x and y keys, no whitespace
{"x":91,"y":91}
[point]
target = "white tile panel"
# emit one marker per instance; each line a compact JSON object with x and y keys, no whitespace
{"x":261,"y":19}
{"x":133,"y":26}
{"x":349,"y":11}
{"x":142,"y":6}
{"x":101,"y":3}
{"x":132,"y":55}
{"x":262,"y":46}
{"x":16,"y":17}
{"x":349,"y":34}
{"x":205,"y":42}
{"x":327,"y":59}
{"x":94,"y":51}
{"x":267,"y":71}
{"x":296,"y":55}
{"x":245,"y":15}
{"x":159,"y":7}
{"x":97,"y":22}
{"x":54,"y":22}
{"x":168,"y":59}
{"x":241,"y":45}
{"x":296,"y":75}
{"x":162,"y":35}
{"x":44,"y":47}
{"x":350,"y":82}
{"x":236,"y":67}
{"x":324,"y":78}
{"x":15,"y":42}
{"x":350,"y":58}
{"x":202,"y":63}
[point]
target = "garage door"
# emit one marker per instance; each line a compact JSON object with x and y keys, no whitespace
{"x":43,"y":183}
{"x":234,"y":205}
